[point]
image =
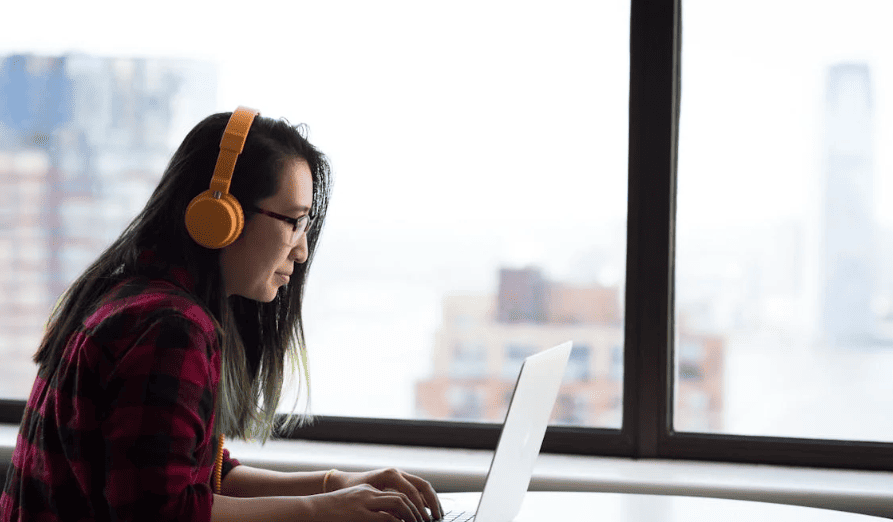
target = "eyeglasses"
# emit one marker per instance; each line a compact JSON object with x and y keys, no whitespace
{"x":298,"y":225}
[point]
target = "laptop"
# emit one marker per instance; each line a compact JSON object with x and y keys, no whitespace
{"x":522,"y":436}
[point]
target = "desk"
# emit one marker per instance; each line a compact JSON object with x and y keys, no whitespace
{"x":542,"y":506}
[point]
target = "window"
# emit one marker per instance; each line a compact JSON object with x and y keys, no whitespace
{"x":552,"y":155}
{"x":466,"y":403}
{"x":513,"y":358}
{"x":469,"y":360}
{"x":459,"y":139}
{"x":783,"y":283}
{"x":579,"y":364}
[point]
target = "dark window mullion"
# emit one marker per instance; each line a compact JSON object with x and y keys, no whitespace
{"x":408,"y":432}
{"x":653,"y":120}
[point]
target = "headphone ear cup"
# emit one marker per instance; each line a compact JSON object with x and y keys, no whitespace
{"x":214,"y":222}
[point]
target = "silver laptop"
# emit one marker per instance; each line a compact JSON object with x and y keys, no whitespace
{"x":522,"y":436}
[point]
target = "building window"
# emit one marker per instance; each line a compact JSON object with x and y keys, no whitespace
{"x":467,"y":403}
{"x":514,"y":358}
{"x":469,"y":360}
{"x":579,"y":364}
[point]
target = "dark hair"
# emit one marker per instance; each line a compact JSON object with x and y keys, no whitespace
{"x":257,"y":338}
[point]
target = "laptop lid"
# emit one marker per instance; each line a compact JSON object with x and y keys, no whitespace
{"x":522,"y":434}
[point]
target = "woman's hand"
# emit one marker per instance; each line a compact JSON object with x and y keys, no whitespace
{"x":365,"y":503}
{"x":417,"y":490}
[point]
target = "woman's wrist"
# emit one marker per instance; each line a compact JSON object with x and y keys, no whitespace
{"x":328,"y":481}
{"x":268,"y":509}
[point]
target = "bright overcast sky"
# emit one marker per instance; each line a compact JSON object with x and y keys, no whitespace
{"x":504,"y":96}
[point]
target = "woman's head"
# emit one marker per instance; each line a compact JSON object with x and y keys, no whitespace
{"x":272,"y":148}
{"x":279,"y":172}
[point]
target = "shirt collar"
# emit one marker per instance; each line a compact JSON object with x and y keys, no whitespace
{"x":149,"y":263}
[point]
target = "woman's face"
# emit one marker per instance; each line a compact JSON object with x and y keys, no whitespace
{"x":261,"y":260}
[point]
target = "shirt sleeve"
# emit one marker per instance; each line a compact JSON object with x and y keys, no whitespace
{"x":228,"y":463}
{"x":161,"y":404}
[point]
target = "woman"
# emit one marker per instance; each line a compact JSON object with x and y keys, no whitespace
{"x":164,"y":345}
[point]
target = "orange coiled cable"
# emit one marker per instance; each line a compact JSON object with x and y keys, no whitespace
{"x":218,"y":465}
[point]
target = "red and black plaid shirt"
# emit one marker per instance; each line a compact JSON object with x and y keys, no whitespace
{"x":123,"y":429}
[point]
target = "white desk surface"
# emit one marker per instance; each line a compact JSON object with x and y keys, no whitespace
{"x":542,"y":506}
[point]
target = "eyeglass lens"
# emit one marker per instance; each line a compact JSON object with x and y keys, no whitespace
{"x":300,"y":227}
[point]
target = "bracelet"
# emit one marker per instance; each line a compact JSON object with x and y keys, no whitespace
{"x":325,"y":480}
{"x":218,"y":465}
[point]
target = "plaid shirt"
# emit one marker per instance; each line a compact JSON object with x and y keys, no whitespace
{"x":123,"y":430}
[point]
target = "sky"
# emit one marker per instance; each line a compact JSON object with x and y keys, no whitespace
{"x":472,"y":99}
{"x":771,"y":86}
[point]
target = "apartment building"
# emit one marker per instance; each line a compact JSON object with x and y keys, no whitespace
{"x":483,"y":340}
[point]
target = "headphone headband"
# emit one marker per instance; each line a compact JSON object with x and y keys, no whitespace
{"x":231,"y":145}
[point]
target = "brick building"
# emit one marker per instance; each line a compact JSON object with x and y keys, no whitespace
{"x":484,"y":338}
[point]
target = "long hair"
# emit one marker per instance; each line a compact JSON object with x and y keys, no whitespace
{"x":262,"y":343}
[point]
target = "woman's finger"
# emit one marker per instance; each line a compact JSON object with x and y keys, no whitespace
{"x":418,"y":509}
{"x":399,"y":505}
{"x":383,"y":516}
{"x":411,"y":490}
{"x":394,"y":499}
{"x":427,"y":495}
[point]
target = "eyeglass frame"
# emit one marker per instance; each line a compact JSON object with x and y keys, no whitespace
{"x":290,"y":220}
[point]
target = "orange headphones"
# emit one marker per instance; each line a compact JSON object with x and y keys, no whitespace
{"x":214,"y":218}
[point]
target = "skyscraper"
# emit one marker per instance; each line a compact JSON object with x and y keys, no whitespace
{"x":848,"y":207}
{"x":83,"y":142}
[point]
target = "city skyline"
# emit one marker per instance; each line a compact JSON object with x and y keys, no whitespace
{"x":468,"y":80}
{"x":360,"y":263}
{"x":83,"y":142}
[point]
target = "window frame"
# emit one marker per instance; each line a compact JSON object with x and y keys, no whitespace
{"x":647,"y":430}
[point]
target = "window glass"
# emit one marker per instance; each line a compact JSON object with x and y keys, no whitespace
{"x":784,"y":293}
{"x":480,"y":159}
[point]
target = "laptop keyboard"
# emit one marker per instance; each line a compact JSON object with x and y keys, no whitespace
{"x":457,"y":516}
